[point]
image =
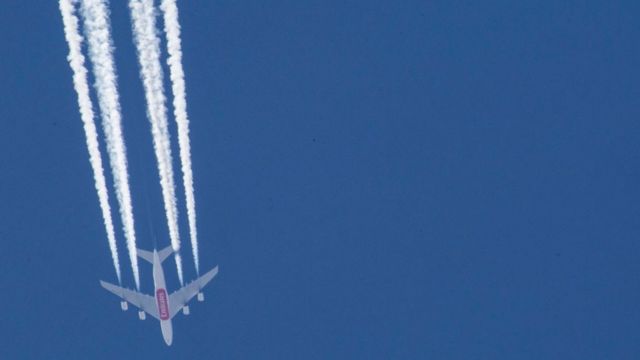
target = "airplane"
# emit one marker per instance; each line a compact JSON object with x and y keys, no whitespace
{"x":161,"y":307}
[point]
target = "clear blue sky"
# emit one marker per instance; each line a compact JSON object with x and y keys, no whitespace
{"x":376,"y":180}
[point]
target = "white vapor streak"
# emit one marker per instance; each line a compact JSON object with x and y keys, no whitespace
{"x":98,"y":29}
{"x":76,"y":61}
{"x":172,"y":31}
{"x":147,"y":44}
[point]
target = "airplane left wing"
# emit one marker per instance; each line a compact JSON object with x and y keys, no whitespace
{"x":144,"y":302}
{"x":181,"y":297}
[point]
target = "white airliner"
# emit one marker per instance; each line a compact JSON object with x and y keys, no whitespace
{"x":161,"y":307}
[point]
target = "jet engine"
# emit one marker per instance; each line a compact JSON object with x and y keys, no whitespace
{"x":200,"y":296}
{"x":142,"y":315}
{"x":124,"y":306}
{"x":185,"y":310}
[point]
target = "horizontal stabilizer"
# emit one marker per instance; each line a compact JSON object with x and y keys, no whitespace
{"x":147,"y":255}
{"x":163,"y":254}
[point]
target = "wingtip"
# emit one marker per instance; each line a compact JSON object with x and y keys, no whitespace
{"x":213,"y":271}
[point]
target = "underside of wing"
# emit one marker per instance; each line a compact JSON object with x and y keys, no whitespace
{"x":142,"y":301}
{"x":181,"y":297}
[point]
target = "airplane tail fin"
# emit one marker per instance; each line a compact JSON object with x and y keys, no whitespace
{"x":162,"y":254}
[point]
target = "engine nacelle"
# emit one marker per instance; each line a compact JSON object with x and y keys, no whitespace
{"x":185,"y":310}
{"x":142,"y":315}
{"x":124,"y":306}
{"x":200,"y":296}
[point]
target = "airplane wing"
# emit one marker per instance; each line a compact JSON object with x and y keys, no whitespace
{"x":144,"y":302}
{"x":181,"y":297}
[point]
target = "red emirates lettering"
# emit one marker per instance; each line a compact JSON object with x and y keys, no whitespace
{"x":163,"y":306}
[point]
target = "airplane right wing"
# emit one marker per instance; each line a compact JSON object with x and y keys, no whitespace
{"x":142,"y":301}
{"x":181,"y":297}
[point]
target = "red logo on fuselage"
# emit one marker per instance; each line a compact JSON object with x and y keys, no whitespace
{"x":163,"y":306}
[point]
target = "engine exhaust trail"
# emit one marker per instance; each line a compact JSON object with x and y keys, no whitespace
{"x":174,"y":48}
{"x":147,"y":45}
{"x":98,"y":30}
{"x":77,"y":64}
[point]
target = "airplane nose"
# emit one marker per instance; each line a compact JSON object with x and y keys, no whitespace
{"x":168,"y":338}
{"x":167,"y":332}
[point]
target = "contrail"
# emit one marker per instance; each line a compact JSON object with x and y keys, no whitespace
{"x":76,"y":61}
{"x":147,"y":44}
{"x":98,"y":29}
{"x":172,"y":31}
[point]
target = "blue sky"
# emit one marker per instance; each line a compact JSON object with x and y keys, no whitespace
{"x":404,"y":180}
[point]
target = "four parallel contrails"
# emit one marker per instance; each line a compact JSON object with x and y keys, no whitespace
{"x":97,"y":28}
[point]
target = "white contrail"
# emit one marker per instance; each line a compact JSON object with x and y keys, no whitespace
{"x":147,"y":44}
{"x":98,"y":29}
{"x":76,"y":61}
{"x":172,"y":31}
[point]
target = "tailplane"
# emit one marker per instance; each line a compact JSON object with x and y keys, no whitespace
{"x":162,"y":254}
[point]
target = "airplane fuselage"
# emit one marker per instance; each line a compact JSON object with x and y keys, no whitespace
{"x":162,"y":299}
